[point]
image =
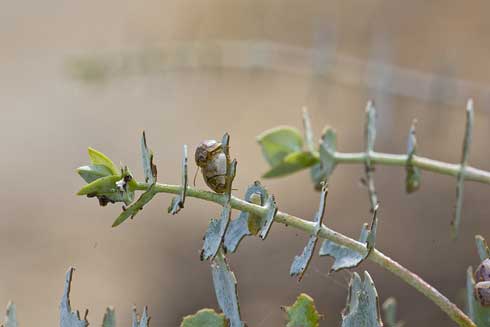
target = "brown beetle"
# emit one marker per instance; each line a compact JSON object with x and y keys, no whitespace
{"x":214,"y":162}
{"x":482,"y":286}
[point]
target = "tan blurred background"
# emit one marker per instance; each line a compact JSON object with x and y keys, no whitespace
{"x":96,"y":73}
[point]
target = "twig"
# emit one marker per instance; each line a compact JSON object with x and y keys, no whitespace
{"x":326,"y":233}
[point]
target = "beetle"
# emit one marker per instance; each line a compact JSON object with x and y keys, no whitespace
{"x":213,"y":160}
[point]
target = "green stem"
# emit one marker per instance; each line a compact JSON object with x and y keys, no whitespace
{"x":470,"y":173}
{"x":326,"y":233}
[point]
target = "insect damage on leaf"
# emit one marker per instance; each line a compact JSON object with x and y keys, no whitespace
{"x":149,"y":168}
{"x":67,"y":317}
{"x":300,"y":263}
{"x":362,"y":308}
{"x":302,"y":313}
{"x":143,"y":321}
{"x":346,"y":258}
{"x":178,"y":202}
{"x":226,"y":290}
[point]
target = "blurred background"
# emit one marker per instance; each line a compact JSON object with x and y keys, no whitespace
{"x":96,"y":73}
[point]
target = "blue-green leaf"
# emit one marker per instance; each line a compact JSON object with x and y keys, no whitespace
{"x":482,"y":247}
{"x":389,"y":310}
{"x":67,"y":317}
{"x":149,"y":168}
{"x":204,"y":318}
{"x":109,"y":318}
{"x":412,"y":181}
{"x":178,"y":202}
{"x":132,"y":210}
{"x":279,"y":142}
{"x":143,"y":321}
{"x":328,"y":145}
{"x":226,"y":291}
{"x":362,"y":309}
{"x":246,"y":223}
{"x":10,"y":316}
{"x":302,"y":313}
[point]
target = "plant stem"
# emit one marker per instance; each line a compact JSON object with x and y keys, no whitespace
{"x":470,"y":173}
{"x":326,"y":233}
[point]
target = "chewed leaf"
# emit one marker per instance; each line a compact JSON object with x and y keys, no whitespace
{"x":303,"y":312}
{"x":267,"y":221}
{"x":143,"y":321}
{"x":98,"y":158}
{"x":205,"y":317}
{"x":412,"y":182}
{"x":362,"y":309}
{"x":149,"y":168}
{"x":67,"y":317}
{"x":292,"y":163}
{"x":178,"y":202}
{"x":279,"y":142}
{"x":482,"y":247}
{"x":246,"y":223}
{"x":10,"y":316}
{"x":215,"y":233}
{"x":109,"y":318}
{"x":92,"y":172}
{"x":132,"y":210}
{"x":226,"y":291}
{"x":478,"y":313}
{"x":300,"y":263}
{"x":346,"y":258}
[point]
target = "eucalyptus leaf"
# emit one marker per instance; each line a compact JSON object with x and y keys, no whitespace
{"x":215,"y":233}
{"x":226,"y":290}
{"x":482,"y":247}
{"x":328,"y":146}
{"x":109,"y":318}
{"x":98,"y":158}
{"x":389,"y":310}
{"x":92,"y":172}
{"x":246,"y":224}
{"x":292,"y":163}
{"x":456,"y":222}
{"x":67,"y":317}
{"x":268,"y":219}
{"x":143,"y":321}
{"x":300,"y":263}
{"x":149,"y":168}
{"x":178,"y":202}
{"x":205,"y":318}
{"x":132,"y":210}
{"x":346,"y":258}
{"x":362,"y":308}
{"x":412,"y":181}
{"x":101,"y":185}
{"x":279,"y":142}
{"x":10,"y":316}
{"x":302,"y":313}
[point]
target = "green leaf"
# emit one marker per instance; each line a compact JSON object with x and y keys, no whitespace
{"x":412,"y":181}
{"x":92,"y":172}
{"x":109,"y":318}
{"x":302,"y":313}
{"x":292,"y":163}
{"x":102,"y":185}
{"x":204,"y":318}
{"x":482,"y":247}
{"x":279,"y":142}
{"x":226,"y":291}
{"x":132,"y":210}
{"x":362,"y":308}
{"x":149,"y":168}
{"x":98,"y":158}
